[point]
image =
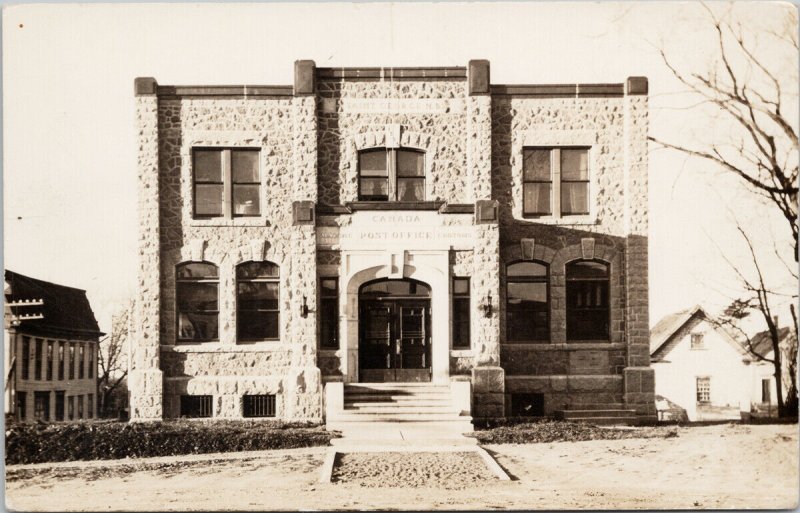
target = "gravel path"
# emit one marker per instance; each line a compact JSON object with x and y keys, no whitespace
{"x":454,"y":470}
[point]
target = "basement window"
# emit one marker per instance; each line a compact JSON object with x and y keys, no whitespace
{"x":527,"y":405}
{"x":196,"y":406}
{"x":258,"y":406}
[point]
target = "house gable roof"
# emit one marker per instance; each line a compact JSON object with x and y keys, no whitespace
{"x":665,"y":335}
{"x":65,"y":310}
{"x":762,"y":341}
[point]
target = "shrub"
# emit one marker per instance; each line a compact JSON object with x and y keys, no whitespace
{"x":546,"y":431}
{"x":38,"y":443}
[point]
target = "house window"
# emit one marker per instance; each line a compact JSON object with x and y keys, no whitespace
{"x":329,"y":313}
{"x":60,"y":405}
{"x":766,"y":396}
{"x":72,"y":360}
{"x":461,"y":317}
{"x":386,"y":174}
{"x":80,"y":406}
{"x":587,"y":300}
{"x":80,"y":360}
{"x":61,"y":360}
{"x":527,"y":405}
{"x":697,"y":341}
{"x":22,"y":401}
{"x":197,"y":288}
{"x":90,"y":406}
{"x":41,"y":405}
{"x":91,"y":361}
{"x":38,"y":362}
{"x":196,"y":406}
{"x":527,"y":302}
{"x":555,"y":181}
{"x":703,"y":390}
{"x":26,"y":357}
{"x":257,"y":294}
{"x":226,"y":183}
{"x":258,"y":406}
{"x":49,"y":360}
{"x":71,"y":407}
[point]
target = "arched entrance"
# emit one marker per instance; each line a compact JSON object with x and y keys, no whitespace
{"x":394,"y":330}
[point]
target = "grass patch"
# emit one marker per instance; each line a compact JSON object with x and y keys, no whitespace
{"x":40,"y":443}
{"x":547,"y":431}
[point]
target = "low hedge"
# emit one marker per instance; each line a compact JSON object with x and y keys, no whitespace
{"x":546,"y":431}
{"x":39,"y":443}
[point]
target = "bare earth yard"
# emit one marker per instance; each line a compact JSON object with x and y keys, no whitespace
{"x":723,"y":466}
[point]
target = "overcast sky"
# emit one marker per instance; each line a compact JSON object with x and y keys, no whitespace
{"x":69,"y":155}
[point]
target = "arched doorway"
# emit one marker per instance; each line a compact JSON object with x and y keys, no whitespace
{"x":394,"y":331}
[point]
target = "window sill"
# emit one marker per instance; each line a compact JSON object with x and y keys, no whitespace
{"x":577,"y":220}
{"x":237,"y":221}
{"x":394,"y":205}
{"x":462,"y":352}
{"x":218,"y":347}
{"x":547,"y":346}
{"x":328,"y":351}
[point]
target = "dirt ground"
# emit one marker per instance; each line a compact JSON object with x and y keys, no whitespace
{"x":722,"y":466}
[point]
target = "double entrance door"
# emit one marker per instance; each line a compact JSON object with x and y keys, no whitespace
{"x":394,"y":340}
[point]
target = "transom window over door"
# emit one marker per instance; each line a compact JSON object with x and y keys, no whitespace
{"x":257,"y":294}
{"x":387,"y":174}
{"x":226,"y":183}
{"x":197,"y":294}
{"x":555,"y":182}
{"x":527,"y":302}
{"x":587,"y":300}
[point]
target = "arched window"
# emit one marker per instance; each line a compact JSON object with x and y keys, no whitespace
{"x":587,"y":300}
{"x":257,"y":294}
{"x":527,"y":302}
{"x":387,"y":174}
{"x":197,"y":294}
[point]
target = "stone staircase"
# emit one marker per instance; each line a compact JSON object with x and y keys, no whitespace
{"x":600,"y":414}
{"x":422,"y":408}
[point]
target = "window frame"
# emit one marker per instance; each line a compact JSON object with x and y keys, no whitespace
{"x":39,"y":395}
{"x":392,"y":175}
{"x":556,"y":181}
{"x":332,"y":297}
{"x":61,"y":358}
{"x":26,"y":358}
{"x":696,"y":341}
{"x":205,"y":411}
{"x":49,"y":361}
{"x":203,"y":279}
{"x":38,"y":357}
{"x":276,"y":280}
{"x":458,"y":344}
{"x":529,"y":279}
{"x":81,"y":358}
{"x":607,"y":336}
{"x":259,"y":406}
{"x":227,"y":182}
{"x":21,"y":408}
{"x":72,"y":360}
{"x":703,"y":392}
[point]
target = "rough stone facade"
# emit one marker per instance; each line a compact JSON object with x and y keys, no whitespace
{"x":469,"y":224}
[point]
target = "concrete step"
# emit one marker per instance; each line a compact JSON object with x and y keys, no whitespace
{"x":407,"y":404}
{"x":389,"y":385}
{"x":605,"y":421}
{"x":380,"y":430}
{"x":392,"y":396}
{"x":393,"y":409}
{"x":574,"y":414}
{"x":354,"y":416}
{"x":414,"y":440}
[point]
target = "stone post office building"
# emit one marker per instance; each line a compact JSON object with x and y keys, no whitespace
{"x":391,"y":225}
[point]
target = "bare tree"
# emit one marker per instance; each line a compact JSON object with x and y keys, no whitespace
{"x":760,"y":298}
{"x":112,"y":359}
{"x":755,"y":99}
{"x":762,"y":147}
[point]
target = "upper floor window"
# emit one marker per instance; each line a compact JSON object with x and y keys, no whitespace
{"x":555,"y":181}
{"x":196,"y":291}
{"x":387,"y":174}
{"x":257,"y":294}
{"x":226,"y":183}
{"x":697,"y":341}
{"x":527,"y":302}
{"x":587,"y":300}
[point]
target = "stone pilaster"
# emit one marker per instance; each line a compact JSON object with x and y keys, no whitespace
{"x":145,"y":377}
{"x":479,"y":146}
{"x":303,"y":385}
{"x":639,"y":377}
